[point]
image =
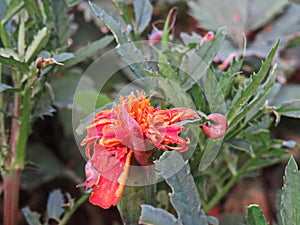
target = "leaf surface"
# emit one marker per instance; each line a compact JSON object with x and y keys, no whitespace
{"x":290,"y":198}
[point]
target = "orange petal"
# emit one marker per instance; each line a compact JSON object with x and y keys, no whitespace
{"x":109,"y":191}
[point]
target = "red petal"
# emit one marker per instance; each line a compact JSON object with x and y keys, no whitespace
{"x":92,"y":176}
{"x":109,"y":191}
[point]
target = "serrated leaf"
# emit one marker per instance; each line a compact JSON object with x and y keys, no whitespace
{"x":12,"y":8}
{"x":54,"y":204}
{"x":290,"y":198}
{"x":255,"y":216}
{"x":197,"y":62}
{"x":9,"y":52}
{"x":290,"y":108}
{"x":143,"y":12}
{"x":115,"y":26}
{"x":255,"y":106}
{"x":129,"y":53}
{"x":14,"y":64}
{"x":245,"y":93}
{"x":184,"y":197}
{"x":39,"y":41}
{"x":32,"y":218}
{"x":155,"y":216}
{"x":172,"y":91}
{"x":61,"y":23}
{"x":88,"y":51}
{"x":239,"y":17}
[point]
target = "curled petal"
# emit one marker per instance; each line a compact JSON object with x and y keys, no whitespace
{"x":178,"y":114}
{"x":92,"y":176}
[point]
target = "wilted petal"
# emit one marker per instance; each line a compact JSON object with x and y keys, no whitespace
{"x":109,"y":190}
{"x":92,"y":176}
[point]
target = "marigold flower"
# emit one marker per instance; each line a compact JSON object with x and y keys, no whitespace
{"x":126,"y":133}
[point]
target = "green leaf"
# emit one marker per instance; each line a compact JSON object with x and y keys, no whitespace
{"x":190,"y":39}
{"x":211,"y":150}
{"x":33,"y":9}
{"x":241,"y":145}
{"x":32,"y":218}
{"x":290,"y":198}
{"x":47,"y":10}
{"x":155,"y":216}
{"x":46,"y":166}
{"x":290,"y":108}
{"x":143,"y":12}
{"x":197,"y":62}
{"x":267,"y":37}
{"x":239,"y":17}
{"x":165,"y":67}
{"x":43,"y":106}
{"x":129,"y":53}
{"x":88,"y":51}
{"x":115,"y":26}
{"x":64,"y":56}
{"x":255,"y":216}
{"x":21,"y":37}
{"x":54,"y":204}
{"x":72,"y":3}
{"x":61,"y":23}
{"x":184,"y":197}
{"x":39,"y":41}
{"x":226,"y":81}
{"x":255,"y":107}
{"x":285,"y":94}
{"x":12,"y":8}
{"x":14,"y":64}
{"x":245,"y":93}
{"x":64,"y":88}
{"x":96,"y":100}
{"x":2,"y":9}
{"x":5,"y":87}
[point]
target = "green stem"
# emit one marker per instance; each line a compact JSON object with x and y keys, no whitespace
{"x":3,"y":36}
{"x":231,"y":183}
{"x":24,"y":129}
{"x":3,"y":144}
{"x":15,"y":164}
{"x":76,"y":205}
{"x":234,"y":130}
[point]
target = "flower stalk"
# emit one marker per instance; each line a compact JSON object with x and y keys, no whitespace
{"x":16,"y":158}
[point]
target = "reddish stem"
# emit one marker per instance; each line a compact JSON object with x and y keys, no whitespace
{"x":11,"y":196}
{"x":12,"y":177}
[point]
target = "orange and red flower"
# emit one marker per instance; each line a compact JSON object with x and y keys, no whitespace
{"x":130,"y":130}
